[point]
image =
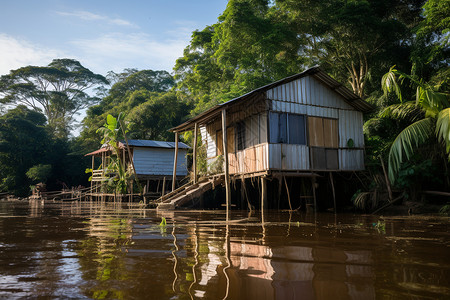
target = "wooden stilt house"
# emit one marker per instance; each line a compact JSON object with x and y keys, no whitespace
{"x":296,"y":127}
{"x":150,"y":161}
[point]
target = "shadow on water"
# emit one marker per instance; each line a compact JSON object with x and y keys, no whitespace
{"x":85,"y":250}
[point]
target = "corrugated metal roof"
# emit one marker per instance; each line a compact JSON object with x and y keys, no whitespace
{"x":142,"y":143}
{"x":351,"y":98}
{"x":155,"y":144}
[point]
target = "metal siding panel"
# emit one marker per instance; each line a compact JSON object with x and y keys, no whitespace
{"x":157,"y":161}
{"x":351,"y":159}
{"x":351,"y":127}
{"x":295,"y":157}
{"x":275,"y":156}
{"x":304,"y":100}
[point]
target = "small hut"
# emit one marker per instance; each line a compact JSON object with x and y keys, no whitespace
{"x":303,"y":126}
{"x":151,"y":162}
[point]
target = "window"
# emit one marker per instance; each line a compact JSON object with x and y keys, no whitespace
{"x":287,"y":128}
{"x":219,"y":143}
{"x":240,"y":130}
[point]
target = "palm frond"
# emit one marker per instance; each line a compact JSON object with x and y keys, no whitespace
{"x":389,"y":83}
{"x":443,"y":128}
{"x":406,"y":142}
{"x":407,"y":110}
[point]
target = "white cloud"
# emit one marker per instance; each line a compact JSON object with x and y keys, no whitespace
{"x":88,"y":16}
{"x":16,"y":53}
{"x":118,"y":51}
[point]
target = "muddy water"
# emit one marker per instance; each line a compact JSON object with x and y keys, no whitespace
{"x":85,"y":251}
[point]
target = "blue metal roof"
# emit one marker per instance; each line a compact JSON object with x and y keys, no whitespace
{"x":155,"y":144}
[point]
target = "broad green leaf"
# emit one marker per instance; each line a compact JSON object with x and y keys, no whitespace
{"x":406,"y":142}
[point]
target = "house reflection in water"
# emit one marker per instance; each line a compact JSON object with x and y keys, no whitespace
{"x":291,"y":272}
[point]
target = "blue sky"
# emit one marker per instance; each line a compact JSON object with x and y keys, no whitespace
{"x":102,"y":35}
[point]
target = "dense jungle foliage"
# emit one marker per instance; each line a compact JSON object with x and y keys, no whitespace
{"x":253,"y":43}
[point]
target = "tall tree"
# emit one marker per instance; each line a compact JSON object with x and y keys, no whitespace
{"x":59,"y":90}
{"x":351,"y":39}
{"x":248,"y":47}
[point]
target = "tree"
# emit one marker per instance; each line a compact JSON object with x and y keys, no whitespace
{"x":153,"y":118}
{"x":435,"y":122}
{"x":132,"y":88}
{"x":247,"y":48}
{"x":24,"y":143}
{"x":59,"y":90}
{"x":352,"y":39}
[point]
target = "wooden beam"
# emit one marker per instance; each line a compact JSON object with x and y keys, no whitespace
{"x":194,"y":154}
{"x":264,"y":202}
{"x":174,"y":177}
{"x":225,"y":156}
{"x":313,"y":181}
{"x":332,"y":189}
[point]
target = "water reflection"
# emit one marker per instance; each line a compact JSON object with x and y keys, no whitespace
{"x":88,"y":250}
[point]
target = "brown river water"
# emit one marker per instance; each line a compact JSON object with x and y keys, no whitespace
{"x":92,"y":251}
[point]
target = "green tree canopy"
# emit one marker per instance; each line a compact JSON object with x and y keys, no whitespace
{"x":59,"y":90}
{"x":24,"y":143}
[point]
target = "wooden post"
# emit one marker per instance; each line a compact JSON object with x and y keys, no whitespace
{"x":313,"y":180}
{"x":332,"y":189}
{"x":92,"y":182}
{"x":194,"y":154}
{"x":174,"y":177}
{"x":264,"y":203}
{"x":288,"y":194}
{"x":164,"y":186}
{"x":225,"y":156}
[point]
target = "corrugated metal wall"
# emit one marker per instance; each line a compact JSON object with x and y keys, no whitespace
{"x":310,"y":91}
{"x":308,"y":96}
{"x":351,"y":159}
{"x":305,"y":96}
{"x":288,"y":157}
{"x":351,"y":127}
{"x":158,"y":161}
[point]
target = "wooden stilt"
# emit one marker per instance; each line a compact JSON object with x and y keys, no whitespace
{"x":313,"y":181}
{"x":287,"y":191}
{"x":332,"y":189}
{"x":174,"y":177}
{"x":92,"y":166}
{"x":225,"y":155}
{"x":164,"y":186}
{"x":264,"y":202}
{"x":194,"y":154}
{"x":279,"y":191}
{"x":242,"y":193}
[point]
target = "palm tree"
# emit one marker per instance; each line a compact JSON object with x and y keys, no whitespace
{"x":434,"y":120}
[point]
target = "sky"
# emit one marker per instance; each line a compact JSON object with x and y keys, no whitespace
{"x":103,"y":35}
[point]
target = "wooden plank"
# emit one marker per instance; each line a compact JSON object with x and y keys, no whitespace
{"x":219,"y":142}
{"x":315,"y":130}
{"x":330,"y":128}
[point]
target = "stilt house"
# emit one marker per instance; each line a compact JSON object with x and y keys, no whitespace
{"x":152,"y":162}
{"x":297,"y":126}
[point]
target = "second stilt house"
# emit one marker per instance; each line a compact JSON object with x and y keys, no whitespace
{"x":298,"y":126}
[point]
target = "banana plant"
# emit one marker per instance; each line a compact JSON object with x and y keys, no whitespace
{"x":111,"y":134}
